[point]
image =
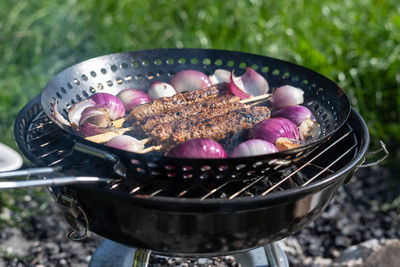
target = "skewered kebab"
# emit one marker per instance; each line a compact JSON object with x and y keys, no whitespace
{"x":217,"y":128}
{"x":160,"y":105}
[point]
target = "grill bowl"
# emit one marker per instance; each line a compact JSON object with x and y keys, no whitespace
{"x":116,"y":72}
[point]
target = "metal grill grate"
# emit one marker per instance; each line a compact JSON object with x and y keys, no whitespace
{"x":48,"y":143}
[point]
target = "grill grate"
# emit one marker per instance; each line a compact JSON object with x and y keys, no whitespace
{"x":48,"y":143}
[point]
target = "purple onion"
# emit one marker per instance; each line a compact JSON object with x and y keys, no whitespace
{"x":133,"y":97}
{"x":75,"y":113}
{"x":160,"y":89}
{"x":113,"y":104}
{"x":126,"y":142}
{"x":250,"y":84}
{"x":220,"y":76}
{"x":94,"y":121}
{"x":189,"y":80}
{"x":287,"y":95}
{"x":271,"y":129}
{"x":254,"y":147}
{"x":198,"y":148}
{"x":296,"y":114}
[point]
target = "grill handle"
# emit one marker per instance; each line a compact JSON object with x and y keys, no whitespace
{"x":53,"y":181}
{"x":118,"y":167}
{"x":382,"y":149}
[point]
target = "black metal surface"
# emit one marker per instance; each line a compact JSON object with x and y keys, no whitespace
{"x":172,"y":224}
{"x":115,"y":72}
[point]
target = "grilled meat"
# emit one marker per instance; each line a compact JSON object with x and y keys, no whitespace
{"x":163,"y":104}
{"x":217,"y":128}
{"x":192,"y":113}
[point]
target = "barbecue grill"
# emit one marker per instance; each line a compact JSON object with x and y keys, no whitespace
{"x":188,"y":217}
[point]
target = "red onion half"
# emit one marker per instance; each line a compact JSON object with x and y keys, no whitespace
{"x":160,"y":89}
{"x":251,"y":83}
{"x":287,"y":95}
{"x":133,"y":97}
{"x":94,"y":121}
{"x":296,"y":114}
{"x":75,"y":113}
{"x":198,"y":148}
{"x":113,"y":104}
{"x":253,"y":147}
{"x":271,"y":129}
{"x":189,"y":80}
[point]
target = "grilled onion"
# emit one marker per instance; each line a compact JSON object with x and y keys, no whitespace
{"x":160,"y":89}
{"x":133,"y":97}
{"x":271,"y":129}
{"x":126,"y":142}
{"x":287,"y":95}
{"x":189,"y":80}
{"x":198,"y":148}
{"x":296,"y":114}
{"x":111,"y":103}
{"x":253,"y":147}
{"x":249,"y":84}
{"x":94,"y":121}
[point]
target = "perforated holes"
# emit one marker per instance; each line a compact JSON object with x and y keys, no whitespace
{"x":76,"y":81}
{"x":295,"y":79}
{"x":207,"y":61}
{"x":324,"y":116}
{"x":187,"y":176}
{"x":304,"y":82}
{"x":316,"y":107}
{"x":254,"y":66}
{"x":109,"y":83}
{"x":119,"y":80}
{"x":103,"y":71}
{"x":264,"y":69}
{"x":187,"y":168}
{"x":58,"y":95}
{"x":69,"y":85}
{"x":230,"y":63}
{"x":124,"y":65}
{"x":223,"y":168}
{"x":286,"y":75}
{"x":313,"y":86}
{"x":135,"y":162}
{"x":169,"y":61}
{"x":93,"y":74}
{"x":139,"y":77}
{"x":219,"y":176}
{"x":265,"y":170}
{"x":250,"y":173}
{"x":100,"y":86}
{"x":242,"y":65}
{"x":85,"y":94}
{"x":151,"y":164}
{"x":84,"y":77}
{"x":79,"y":98}
{"x":68,"y":106}
{"x":257,"y":164}
{"x":204,"y":176}
{"x":171,"y":174}
{"x":135,"y":64}
{"x":140,"y":170}
{"x":169,"y":167}
{"x":194,"y":60}
{"x":128,"y":78}
{"x":170,"y":74}
{"x":150,"y":76}
{"x":146,"y":63}
{"x":155,"y":173}
{"x":63,"y":90}
{"x":73,"y":102}
{"x":276,"y":72}
{"x":310,"y":103}
{"x":157,"y":62}
{"x":205,"y":168}
{"x":240,"y":166}
{"x":114,"y":68}
{"x":92,"y":90}
{"x":182,"y":61}
{"x":218,"y":62}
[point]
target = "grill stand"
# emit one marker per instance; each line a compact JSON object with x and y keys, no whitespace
{"x":123,"y":256}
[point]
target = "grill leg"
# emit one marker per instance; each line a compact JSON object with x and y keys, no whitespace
{"x":275,"y":256}
{"x":141,"y":258}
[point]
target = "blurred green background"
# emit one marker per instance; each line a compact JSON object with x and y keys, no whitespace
{"x":355,"y":43}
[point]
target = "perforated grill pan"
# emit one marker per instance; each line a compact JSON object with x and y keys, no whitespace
{"x":138,"y":69}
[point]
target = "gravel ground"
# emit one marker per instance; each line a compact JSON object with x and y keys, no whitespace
{"x":351,"y":218}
